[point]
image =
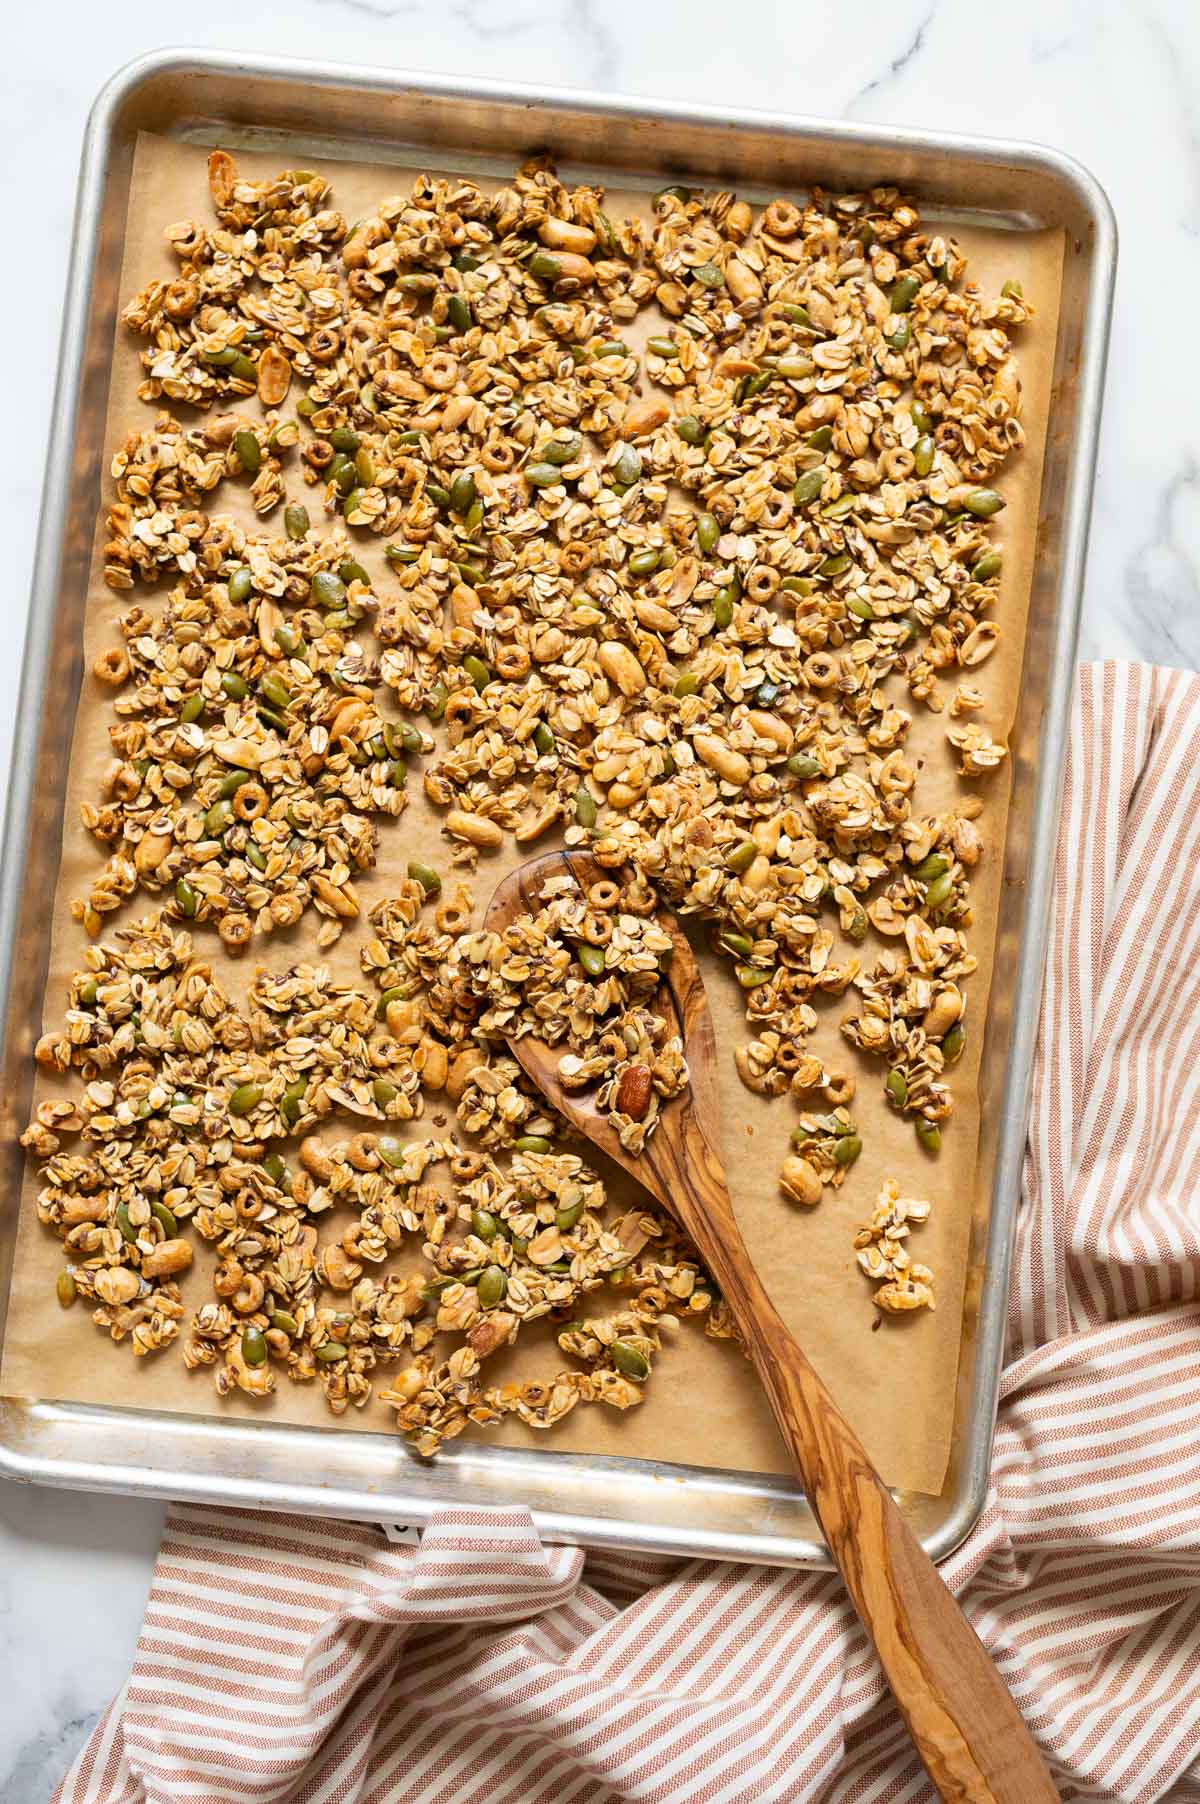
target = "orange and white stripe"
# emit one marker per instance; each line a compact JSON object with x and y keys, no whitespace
{"x":288,"y":1661}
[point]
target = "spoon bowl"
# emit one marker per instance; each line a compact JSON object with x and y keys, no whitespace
{"x":962,"y":1719}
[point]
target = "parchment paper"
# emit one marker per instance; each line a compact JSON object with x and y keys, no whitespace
{"x":896,"y":1378}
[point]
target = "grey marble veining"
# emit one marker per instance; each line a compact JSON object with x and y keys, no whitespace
{"x":1117,"y":85}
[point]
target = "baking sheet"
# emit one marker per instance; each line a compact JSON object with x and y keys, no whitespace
{"x":896,"y":1381}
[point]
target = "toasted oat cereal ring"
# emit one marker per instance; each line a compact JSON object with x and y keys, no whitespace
{"x":319,"y":454}
{"x":604,"y":894}
{"x":761,"y":582}
{"x":839,"y":1088}
{"x":440,"y":371}
{"x":181,"y":299}
{"x":639,"y":899}
{"x":452,"y":917}
{"x":576,"y":557}
{"x":249,"y":801}
{"x":112,"y":666}
{"x":235,"y":931}
{"x":511,"y":662}
{"x":596,"y":929}
{"x":497,"y":455}
{"x":324,"y":344}
{"x":464,"y":1166}
{"x":217,"y":540}
{"x":782,"y":219}
{"x":822,"y":670}
{"x":788,"y":1058}
{"x":286,"y":909}
{"x":363,"y":285}
{"x":460,"y":706}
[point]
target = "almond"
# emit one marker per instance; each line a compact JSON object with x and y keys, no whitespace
{"x":633,"y":1092}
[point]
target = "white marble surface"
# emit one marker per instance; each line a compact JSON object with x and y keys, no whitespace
{"x":1115,"y":82}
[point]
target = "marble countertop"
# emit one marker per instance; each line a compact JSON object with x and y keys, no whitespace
{"x":1116,"y":86}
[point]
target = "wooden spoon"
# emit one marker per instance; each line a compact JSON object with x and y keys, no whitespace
{"x":962,"y":1719}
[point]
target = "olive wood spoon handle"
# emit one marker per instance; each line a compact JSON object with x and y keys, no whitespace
{"x":962,"y":1719}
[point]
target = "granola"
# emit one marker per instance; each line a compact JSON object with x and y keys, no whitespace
{"x":904,"y":1284}
{"x":675,"y":601}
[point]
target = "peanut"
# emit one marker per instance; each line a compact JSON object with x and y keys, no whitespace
{"x":150,"y":851}
{"x":461,"y":1067}
{"x":743,"y":285}
{"x":274,"y":376}
{"x":433,"y":1062}
{"x":769,"y":726}
{"x":622,"y":668}
{"x":474,"y":828}
{"x":342,"y":901}
{"x":799,"y":1181}
{"x":644,"y":417}
{"x":117,"y":1285}
{"x":563,"y":235}
{"x":729,"y":765}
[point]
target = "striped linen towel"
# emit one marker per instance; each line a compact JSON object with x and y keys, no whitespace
{"x":303,"y":1662}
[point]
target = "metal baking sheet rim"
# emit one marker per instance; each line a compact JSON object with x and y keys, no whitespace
{"x":666,"y":1509}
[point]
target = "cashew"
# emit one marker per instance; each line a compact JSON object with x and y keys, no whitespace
{"x":739,"y":219}
{"x":348,"y":716}
{"x":315,"y":1159}
{"x":249,"y":1294}
{"x":405,"y":1386}
{"x":537,"y":824}
{"x":456,"y":412}
{"x":169,"y":1257}
{"x":573,"y":268}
